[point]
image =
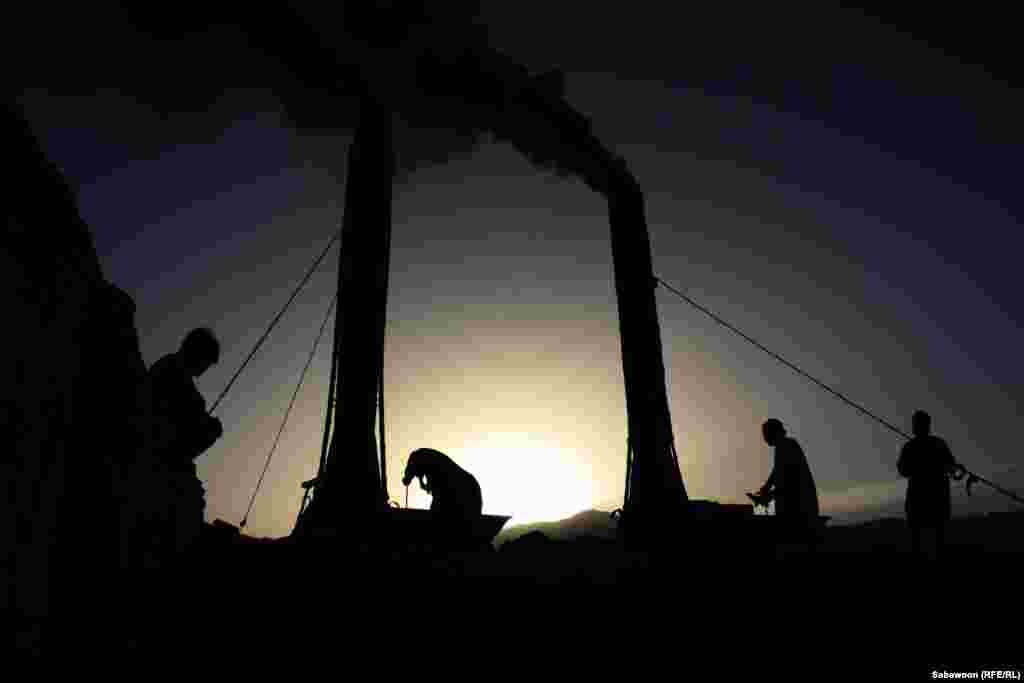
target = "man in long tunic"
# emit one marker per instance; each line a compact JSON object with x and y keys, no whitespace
{"x":791,"y":485}
{"x":927,"y":463}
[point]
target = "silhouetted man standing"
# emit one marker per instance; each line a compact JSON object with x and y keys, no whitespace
{"x":790,"y":485}
{"x":927,"y":463}
{"x":189,"y":430}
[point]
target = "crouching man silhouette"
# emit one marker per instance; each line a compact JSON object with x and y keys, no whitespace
{"x":457,"y":501}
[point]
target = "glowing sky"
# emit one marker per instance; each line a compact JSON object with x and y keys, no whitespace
{"x":826,"y":235}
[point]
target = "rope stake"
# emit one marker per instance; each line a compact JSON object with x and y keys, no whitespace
{"x":288,"y":412}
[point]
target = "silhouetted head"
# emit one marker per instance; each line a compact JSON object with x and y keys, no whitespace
{"x":773,"y":431}
{"x":200,"y":349}
{"x":922,"y":423}
{"x":422,"y":462}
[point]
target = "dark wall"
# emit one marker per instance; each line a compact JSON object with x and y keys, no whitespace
{"x":79,"y":477}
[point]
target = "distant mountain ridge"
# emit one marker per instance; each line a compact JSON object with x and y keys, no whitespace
{"x":982,"y":506}
{"x":597,"y":523}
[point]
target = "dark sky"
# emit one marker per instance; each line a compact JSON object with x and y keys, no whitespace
{"x":841,"y":187}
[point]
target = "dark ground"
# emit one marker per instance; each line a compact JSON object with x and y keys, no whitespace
{"x":236,"y":598}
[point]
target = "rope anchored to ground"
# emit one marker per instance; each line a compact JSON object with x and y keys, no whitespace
{"x":959,"y":471}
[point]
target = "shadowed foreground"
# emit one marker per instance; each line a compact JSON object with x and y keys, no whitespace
{"x":241,"y":591}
